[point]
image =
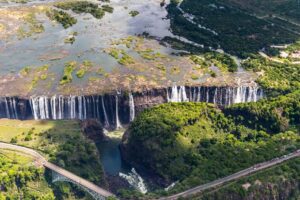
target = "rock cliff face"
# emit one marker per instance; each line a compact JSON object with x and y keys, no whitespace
{"x":113,"y":110}
{"x":93,"y":130}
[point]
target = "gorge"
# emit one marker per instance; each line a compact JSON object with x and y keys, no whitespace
{"x":150,"y":99}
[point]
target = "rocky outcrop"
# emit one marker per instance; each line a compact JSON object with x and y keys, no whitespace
{"x":93,"y":130}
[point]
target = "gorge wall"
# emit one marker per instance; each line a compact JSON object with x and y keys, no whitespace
{"x":113,"y":110}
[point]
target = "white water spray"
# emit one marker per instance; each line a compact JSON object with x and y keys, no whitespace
{"x":131,"y":107}
{"x":135,"y":180}
{"x":118,"y":123}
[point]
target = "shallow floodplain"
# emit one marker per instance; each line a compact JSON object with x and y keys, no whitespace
{"x":118,"y":47}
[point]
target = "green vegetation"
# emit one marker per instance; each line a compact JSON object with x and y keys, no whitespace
{"x":194,"y":77}
{"x":19,"y":178}
{"x":294,"y":47}
{"x":282,"y":180}
{"x":271,"y":116}
{"x":134,"y":13}
{"x":35,"y":74}
{"x":222,"y":61}
{"x":175,"y":70}
{"x":63,"y":143}
{"x":149,"y":54}
{"x":85,"y":7}
{"x":288,"y":9}
{"x":228,"y":28}
{"x":277,"y":78}
{"x":70,"y":40}
{"x":100,"y":71}
{"x":25,"y":71}
{"x":61,"y":17}
{"x":43,"y":77}
{"x":199,"y":60}
{"x":161,"y":68}
{"x":86,"y":65}
{"x":32,"y":26}
{"x":114,"y":53}
{"x":108,"y":8}
{"x":68,"y":70}
{"x":80,"y":73}
{"x":288,"y":54}
{"x":126,"y":59}
{"x":195,"y":143}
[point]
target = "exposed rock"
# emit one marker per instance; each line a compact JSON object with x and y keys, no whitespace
{"x":116,"y":183}
{"x":93,"y":129}
{"x":153,"y":180}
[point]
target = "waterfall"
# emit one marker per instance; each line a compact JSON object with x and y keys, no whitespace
{"x":247,"y":94}
{"x":223,"y":96}
{"x":135,"y":180}
{"x":178,"y":94}
{"x":174,"y":94}
{"x":182,"y":94}
{"x":131,"y":106}
{"x":104,"y":111}
{"x":171,"y":186}
{"x":215,"y":96}
{"x":108,"y":110}
{"x":60,"y":107}
{"x":168,"y":96}
{"x":84,"y":107}
{"x":34,"y":108}
{"x":7,"y":109}
{"x":118,"y":123}
{"x":72,"y":105}
{"x":15,"y":108}
{"x":207,"y":96}
{"x":53,"y":107}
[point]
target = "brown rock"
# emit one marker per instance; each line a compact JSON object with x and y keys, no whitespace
{"x":93,"y":129}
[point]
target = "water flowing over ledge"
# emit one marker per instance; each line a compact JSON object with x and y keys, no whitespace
{"x":115,"y":110}
{"x":135,"y":180}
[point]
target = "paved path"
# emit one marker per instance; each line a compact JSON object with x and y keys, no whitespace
{"x":245,"y":172}
{"x":39,"y":158}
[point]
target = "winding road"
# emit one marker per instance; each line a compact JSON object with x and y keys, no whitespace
{"x":245,"y":172}
{"x":40,"y":159}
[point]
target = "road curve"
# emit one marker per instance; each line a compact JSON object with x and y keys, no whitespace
{"x":245,"y":172}
{"x":59,"y":170}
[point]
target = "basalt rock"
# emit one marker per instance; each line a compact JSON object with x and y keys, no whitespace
{"x":93,"y":130}
{"x":115,"y":110}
